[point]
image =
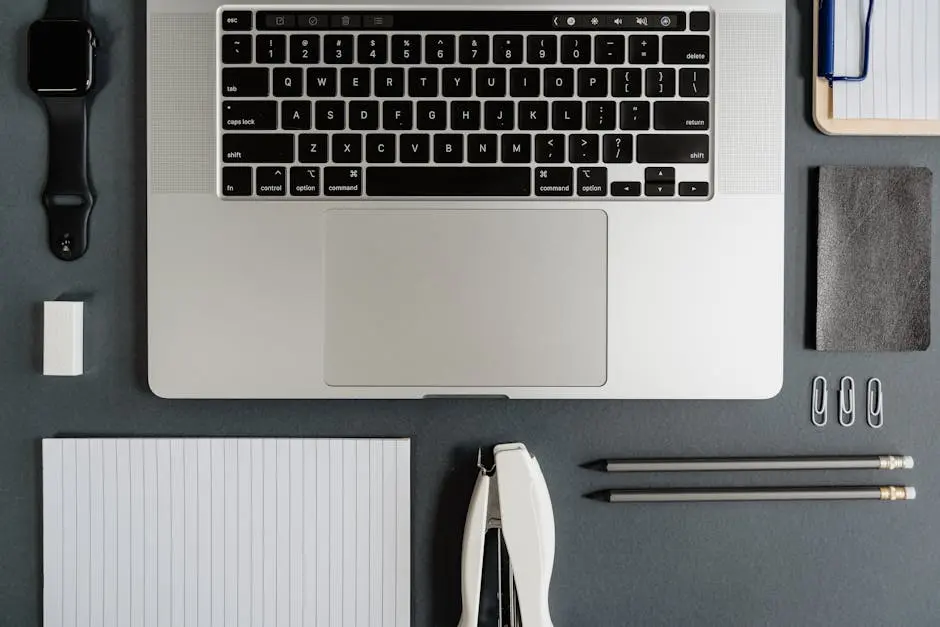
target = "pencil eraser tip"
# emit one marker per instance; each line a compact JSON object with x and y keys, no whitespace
{"x":908,"y":461}
{"x":910,"y":493}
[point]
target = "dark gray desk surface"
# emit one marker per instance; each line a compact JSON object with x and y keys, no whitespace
{"x":742,"y":564}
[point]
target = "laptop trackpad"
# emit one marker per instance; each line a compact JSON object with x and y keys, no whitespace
{"x":466,"y":298}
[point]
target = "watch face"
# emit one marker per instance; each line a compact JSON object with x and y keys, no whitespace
{"x":61,"y":57}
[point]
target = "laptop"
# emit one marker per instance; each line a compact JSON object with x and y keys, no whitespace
{"x":465,"y":199}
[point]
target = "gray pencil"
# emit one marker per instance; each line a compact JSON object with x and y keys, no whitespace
{"x":867,"y":493}
{"x":872,"y":462}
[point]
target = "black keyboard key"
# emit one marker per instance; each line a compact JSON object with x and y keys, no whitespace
{"x":249,"y":115}
{"x":288,"y":82}
{"x":524,"y":82}
{"x":422,"y":82}
{"x":448,"y":148}
{"x":626,"y":83}
{"x":431,"y":115}
{"x":660,"y":82}
{"x":354,"y":82}
{"x":686,"y":49}
{"x":575,"y":49}
{"x":372,"y":49}
{"x":296,"y":115}
{"x":389,"y":82}
{"x":271,"y":181}
{"x":533,"y":115}
{"x":274,"y":20}
{"x":257,"y":148}
{"x":305,"y":181}
{"x":491,"y":82}
{"x":347,"y":148}
{"x":592,"y":181}
{"x":474,"y":49}
{"x":583,"y":148}
{"x":330,"y":115}
{"x":541,"y":49}
{"x":610,"y":50}
{"x":559,"y":83}
{"x":465,"y":115}
{"x":600,"y":115}
{"x":672,"y":148}
{"x":343,"y":20}
{"x":694,"y":82}
{"x":660,"y":189}
{"x":338,"y":49}
{"x":364,"y":115}
{"x":508,"y":49}
{"x":342,"y":181}
{"x":236,"y":20}
{"x":618,"y":148}
{"x":482,"y":148}
{"x":566,"y":115}
{"x":635,"y":115}
{"x":406,"y":49}
{"x":644,"y":49}
{"x":305,"y":49}
{"x":380,"y":148}
{"x":236,"y":49}
{"x":321,"y":82}
{"x":313,"y":148}
{"x":396,"y":115}
{"x":693,"y":189}
{"x":499,"y":115}
{"x":550,"y":148}
{"x":414,"y":148}
{"x":448,"y":181}
{"x":625,"y":188}
{"x":440,"y":49}
{"x":457,"y":82}
{"x":592,"y":82}
{"x":700,"y":21}
{"x":680,"y":115}
{"x":271,"y":48}
{"x":245,"y":82}
{"x":516,"y":148}
{"x":554,"y":182}
{"x":236,"y":181}
{"x":660,"y":174}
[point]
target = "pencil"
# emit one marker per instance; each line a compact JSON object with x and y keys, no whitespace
{"x":866,"y":493}
{"x":869,"y":462}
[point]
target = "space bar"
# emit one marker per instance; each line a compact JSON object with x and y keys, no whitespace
{"x":448,"y":181}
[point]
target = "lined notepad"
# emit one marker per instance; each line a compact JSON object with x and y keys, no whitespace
{"x":226,"y":532}
{"x":904,"y":71}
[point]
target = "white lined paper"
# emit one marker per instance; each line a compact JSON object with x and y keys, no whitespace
{"x":904,"y":62}
{"x":235,"y":532}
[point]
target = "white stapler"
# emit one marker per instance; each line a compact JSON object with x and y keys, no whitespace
{"x":511,"y":498}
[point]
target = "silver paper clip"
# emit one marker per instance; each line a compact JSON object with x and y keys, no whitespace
{"x":847,"y":401}
{"x":820,"y":413}
{"x":876,"y":418}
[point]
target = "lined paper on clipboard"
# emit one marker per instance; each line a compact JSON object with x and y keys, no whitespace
{"x":903,"y":81}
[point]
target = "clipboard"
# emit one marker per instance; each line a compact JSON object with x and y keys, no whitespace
{"x":823,"y":106}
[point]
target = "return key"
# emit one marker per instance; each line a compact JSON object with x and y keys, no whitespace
{"x":680,"y":115}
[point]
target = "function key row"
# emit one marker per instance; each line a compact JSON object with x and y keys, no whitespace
{"x":488,"y":82}
{"x":470,"y":49}
{"x":443,"y":181}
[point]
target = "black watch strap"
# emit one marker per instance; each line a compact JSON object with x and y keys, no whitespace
{"x":67,"y":9}
{"x":67,"y":197}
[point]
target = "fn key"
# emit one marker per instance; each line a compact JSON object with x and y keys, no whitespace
{"x":236,"y":181}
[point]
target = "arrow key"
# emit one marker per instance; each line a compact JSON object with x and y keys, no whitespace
{"x":660,"y":175}
{"x":660,"y":189}
{"x":271,"y":181}
{"x":693,"y":189}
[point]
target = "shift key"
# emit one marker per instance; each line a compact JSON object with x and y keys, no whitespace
{"x":672,"y":148}
{"x":257,"y":148}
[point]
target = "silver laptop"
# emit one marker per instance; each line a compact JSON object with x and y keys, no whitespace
{"x":442,"y":199}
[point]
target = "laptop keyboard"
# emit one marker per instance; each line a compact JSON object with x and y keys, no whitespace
{"x":465,"y":104}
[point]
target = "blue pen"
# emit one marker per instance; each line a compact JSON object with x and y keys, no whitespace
{"x":827,"y":44}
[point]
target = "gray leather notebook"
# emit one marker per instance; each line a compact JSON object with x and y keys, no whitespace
{"x":873,"y":283}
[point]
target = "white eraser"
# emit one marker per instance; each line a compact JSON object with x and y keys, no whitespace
{"x":910,"y":492}
{"x":62,"y":340}
{"x":908,"y":461}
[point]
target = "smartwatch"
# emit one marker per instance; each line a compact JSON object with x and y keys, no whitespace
{"x":61,"y":71}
